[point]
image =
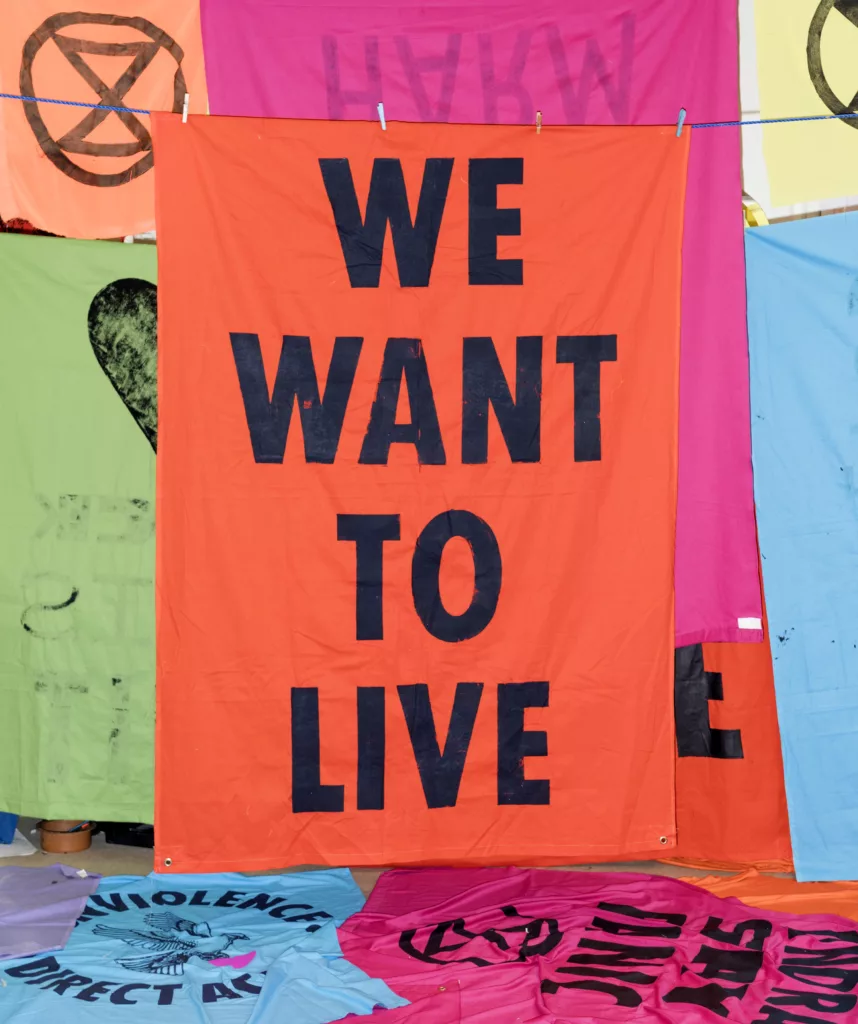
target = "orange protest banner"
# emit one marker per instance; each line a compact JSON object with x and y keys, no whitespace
{"x":87,"y":172}
{"x":730,"y":800}
{"x":416,"y":495}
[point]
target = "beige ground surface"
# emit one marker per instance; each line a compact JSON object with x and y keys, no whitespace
{"x":107,"y":859}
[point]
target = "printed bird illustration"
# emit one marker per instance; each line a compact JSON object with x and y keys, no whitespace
{"x":172,"y":940}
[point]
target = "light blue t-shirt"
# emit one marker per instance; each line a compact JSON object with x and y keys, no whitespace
{"x":199,"y":949}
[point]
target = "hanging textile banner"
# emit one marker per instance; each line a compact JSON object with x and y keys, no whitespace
{"x":212,"y":949}
{"x":786,"y":894}
{"x":806,"y":66}
{"x":584,"y":62}
{"x":87,"y":172}
{"x":803,"y":284}
{"x":730,"y":802}
{"x":500,"y":389}
{"x":509,"y":945}
{"x":77,"y":558}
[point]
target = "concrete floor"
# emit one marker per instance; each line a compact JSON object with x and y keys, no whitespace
{"x":109,"y":859}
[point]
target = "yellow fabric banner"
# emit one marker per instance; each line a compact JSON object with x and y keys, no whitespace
{"x":807,"y":54}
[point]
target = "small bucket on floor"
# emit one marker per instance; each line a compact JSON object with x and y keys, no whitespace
{"x":65,"y":836}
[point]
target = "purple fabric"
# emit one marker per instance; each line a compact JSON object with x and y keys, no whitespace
{"x":39,"y":908}
{"x":591,"y":62}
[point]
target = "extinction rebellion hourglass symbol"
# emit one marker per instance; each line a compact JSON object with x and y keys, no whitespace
{"x":77,"y":139}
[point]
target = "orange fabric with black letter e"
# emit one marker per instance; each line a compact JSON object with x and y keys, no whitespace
{"x":417,"y":487}
{"x":88,"y":173}
{"x":731,"y":805}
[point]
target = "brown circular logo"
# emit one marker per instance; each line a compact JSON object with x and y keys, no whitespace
{"x":141,"y":51}
{"x":849,"y":10}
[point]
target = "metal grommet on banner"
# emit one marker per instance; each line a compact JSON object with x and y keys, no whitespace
{"x":663,"y":840}
{"x":380,"y":109}
{"x":168,"y":862}
{"x":185,"y":108}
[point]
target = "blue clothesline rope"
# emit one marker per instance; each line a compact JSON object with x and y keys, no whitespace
{"x":70,"y":103}
{"x":708,"y":124}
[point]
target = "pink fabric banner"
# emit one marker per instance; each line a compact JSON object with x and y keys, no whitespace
{"x":507,"y":946}
{"x":591,"y":62}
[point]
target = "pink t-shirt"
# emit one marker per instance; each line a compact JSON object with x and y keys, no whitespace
{"x":508,"y":946}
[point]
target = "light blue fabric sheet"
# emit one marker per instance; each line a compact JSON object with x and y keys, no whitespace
{"x":803,"y":328}
{"x":199,"y":949}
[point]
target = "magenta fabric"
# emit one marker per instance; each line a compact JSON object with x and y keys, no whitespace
{"x":492,"y":946}
{"x":39,"y":907}
{"x":594,"y":62}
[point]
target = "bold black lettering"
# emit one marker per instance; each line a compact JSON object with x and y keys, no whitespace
{"x":495,"y":88}
{"x":759,"y":929}
{"x":774,"y":1016}
{"x":369,"y":532}
{"x":169,"y":899}
{"x":74,"y":981}
{"x":34,"y":968}
{"x":48,"y":978}
{"x":426,"y":570}
{"x":261,"y":902}
{"x":403,"y":355}
{"x":710,"y":996}
{"x":268,"y":419}
{"x":693,"y":688}
{"x":440,"y":774}
{"x":216,"y":990}
{"x":841,"y":955}
{"x":244,"y":984}
{"x":339,"y":98}
{"x":813,"y":1001}
{"x":483,"y":382}
{"x":112,"y":902}
{"x":622,"y":928}
{"x":229,"y":898}
{"x":362,"y":238}
{"x":734,"y":965}
{"x":619,"y":956}
{"x":850,"y":936}
{"x":198,"y":899}
{"x":138,"y":901}
{"x":817,"y":976}
{"x":120,"y":996}
{"x":486,"y":222}
{"x":371,"y":741}
{"x":166,"y":993}
{"x":627,"y":910}
{"x":623,"y":996}
{"x":308,"y":793}
{"x":515,"y":744}
{"x":314,"y":915}
{"x":91,"y":994}
{"x":416,"y":67}
{"x":587,"y":353}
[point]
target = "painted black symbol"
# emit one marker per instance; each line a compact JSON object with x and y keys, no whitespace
{"x":849,"y":10}
{"x":525,"y":937}
{"x":123,"y":332}
{"x":693,"y":688}
{"x":76,"y":140}
{"x":171,"y":941}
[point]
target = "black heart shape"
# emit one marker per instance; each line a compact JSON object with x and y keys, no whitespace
{"x":123,"y":332}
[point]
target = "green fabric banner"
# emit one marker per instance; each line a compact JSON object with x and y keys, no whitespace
{"x":78,"y":416}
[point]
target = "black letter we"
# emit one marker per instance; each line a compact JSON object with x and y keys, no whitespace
{"x":362,"y":239}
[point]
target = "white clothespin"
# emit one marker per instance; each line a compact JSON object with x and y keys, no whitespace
{"x":185,"y":108}
{"x":538,"y":121}
{"x":680,"y":121}
{"x":381,"y":117}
